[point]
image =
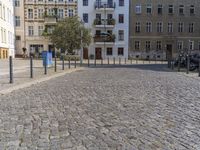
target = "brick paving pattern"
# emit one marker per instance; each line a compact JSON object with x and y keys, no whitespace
{"x":127,"y":108}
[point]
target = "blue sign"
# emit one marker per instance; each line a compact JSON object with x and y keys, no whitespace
{"x":47,"y":58}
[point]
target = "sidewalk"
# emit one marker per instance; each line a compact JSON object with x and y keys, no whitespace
{"x":21,"y":74}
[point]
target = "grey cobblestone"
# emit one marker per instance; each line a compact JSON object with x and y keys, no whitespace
{"x":104,"y":109}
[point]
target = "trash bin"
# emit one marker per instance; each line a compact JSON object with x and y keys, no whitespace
{"x":47,"y":58}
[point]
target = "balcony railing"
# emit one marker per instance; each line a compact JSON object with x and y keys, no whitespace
{"x":104,"y":21}
{"x":100,"y":38}
{"x":100,"y":5}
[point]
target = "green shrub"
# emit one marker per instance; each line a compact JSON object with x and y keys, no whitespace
{"x":71,"y":57}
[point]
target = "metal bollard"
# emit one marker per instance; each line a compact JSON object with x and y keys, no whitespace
{"x":114,"y":60}
{"x":172,"y":65}
{"x":131,"y":61}
{"x":31,"y":67}
{"x":179,"y":63}
{"x":63,"y":63}
{"x":136,"y":60}
{"x":45,"y":66}
{"x":55,"y":64}
{"x":108,"y":61}
{"x":69,"y":63}
{"x":188,"y":64}
{"x":119,"y":60}
{"x":199,"y":67}
{"x":95,"y":61}
{"x":125,"y":61}
{"x":101,"y":61}
{"x":11,"y":69}
{"x":75,"y":63}
{"x":88,"y":62}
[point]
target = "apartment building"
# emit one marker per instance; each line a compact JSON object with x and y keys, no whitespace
{"x":34,"y":18}
{"x":160,"y":29}
{"x":6,"y":29}
{"x":108,"y":21}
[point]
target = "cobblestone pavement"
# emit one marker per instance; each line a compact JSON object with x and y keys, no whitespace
{"x":104,"y":109}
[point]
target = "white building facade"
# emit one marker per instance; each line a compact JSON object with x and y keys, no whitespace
{"x":109,"y":24}
{"x":7,"y":47}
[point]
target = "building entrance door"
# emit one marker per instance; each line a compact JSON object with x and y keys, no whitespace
{"x":169,"y":51}
{"x":98,"y":53}
{"x":85,"y":53}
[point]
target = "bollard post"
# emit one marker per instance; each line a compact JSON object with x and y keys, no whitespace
{"x":75,"y":63}
{"x":45,"y":65}
{"x":188,"y":64}
{"x":101,"y":61}
{"x":136,"y":60}
{"x":55,"y":64}
{"x":172,"y":64}
{"x":95,"y":61}
{"x":125,"y":61}
{"x":131,"y":60}
{"x":63,"y":63}
{"x":155,"y":60}
{"x":88,"y":62}
{"x":108,"y":61}
{"x":179,"y":63}
{"x":11,"y":69}
{"x":114,"y":60}
{"x":31,"y":67}
{"x":119,"y":60}
{"x":69,"y":63}
{"x":149,"y":60}
{"x":199,"y":67}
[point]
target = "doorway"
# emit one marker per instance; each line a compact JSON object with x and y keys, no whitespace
{"x":169,"y":51}
{"x":98,"y":53}
{"x":85,"y":53}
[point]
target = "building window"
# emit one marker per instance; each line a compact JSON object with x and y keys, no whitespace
{"x":149,"y":8}
{"x":138,"y":9}
{"x":170,"y":27}
{"x":30,"y":13}
{"x":191,"y":27}
{"x":40,"y":30}
{"x":120,"y":51}
{"x":17,"y":3}
{"x":180,"y":27}
{"x":180,"y":45}
{"x":40,"y":13}
{"x":158,"y":45}
{"x":160,"y":9}
{"x":148,"y":27}
{"x":171,"y":9}
{"x":71,"y":12}
{"x":85,"y":2}
{"x":85,"y":18}
{"x":121,"y":2}
{"x":192,"y":11}
{"x":137,"y":45}
{"x":121,"y":35}
{"x":18,"y":38}
{"x":17,"y":21}
{"x":60,"y":13}
{"x":148,"y":46}
{"x":191,"y":45}
{"x":159,"y":27}
{"x":181,"y":9}
{"x":51,"y":12}
{"x":30,"y":31}
{"x":138,"y":27}
{"x":109,"y":51}
{"x":121,"y":18}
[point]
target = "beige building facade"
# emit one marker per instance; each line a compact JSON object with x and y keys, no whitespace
{"x":160,"y":29}
{"x":34,"y":18}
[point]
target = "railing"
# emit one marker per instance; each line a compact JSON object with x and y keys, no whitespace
{"x":99,"y":5}
{"x":100,"y":38}
{"x":104,"y":21}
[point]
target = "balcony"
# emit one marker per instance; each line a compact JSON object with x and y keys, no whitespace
{"x":50,"y":20}
{"x":104,"y":5}
{"x":101,"y":23}
{"x":104,"y":39}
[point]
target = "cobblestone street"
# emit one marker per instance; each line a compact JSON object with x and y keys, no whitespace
{"x":127,"y":108}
